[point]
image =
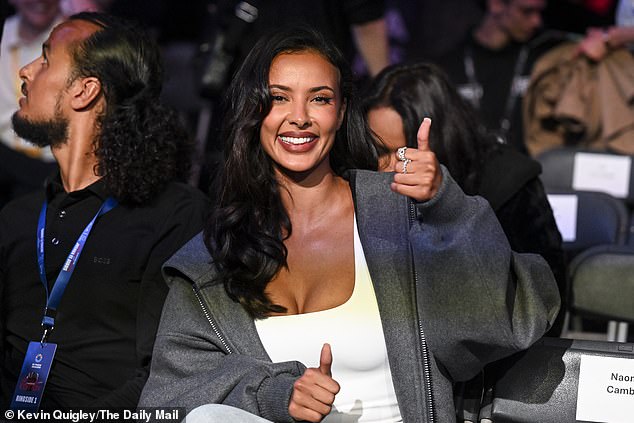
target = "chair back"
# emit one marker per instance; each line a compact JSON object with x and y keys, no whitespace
{"x":584,"y":170}
{"x":587,"y":219}
{"x":602,"y":282}
{"x":541,"y":384}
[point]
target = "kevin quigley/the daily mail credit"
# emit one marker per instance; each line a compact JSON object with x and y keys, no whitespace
{"x":164,"y":415}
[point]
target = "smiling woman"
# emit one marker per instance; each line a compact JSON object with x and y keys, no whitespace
{"x":322,"y":290}
{"x":307,"y":110}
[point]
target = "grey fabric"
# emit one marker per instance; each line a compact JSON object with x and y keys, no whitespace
{"x":478,"y":301}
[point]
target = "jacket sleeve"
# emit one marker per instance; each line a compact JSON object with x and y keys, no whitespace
{"x":191,"y":366}
{"x":479,"y":300}
{"x":529,"y":224}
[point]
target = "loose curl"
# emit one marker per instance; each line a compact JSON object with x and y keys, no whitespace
{"x":245,"y":234}
{"x":141,"y":145}
{"x":416,"y":91}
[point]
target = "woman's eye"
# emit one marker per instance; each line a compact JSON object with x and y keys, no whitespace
{"x":277,"y":98}
{"x":323,"y":99}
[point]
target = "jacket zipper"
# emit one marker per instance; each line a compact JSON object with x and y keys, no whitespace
{"x":429,"y":398}
{"x":213,"y":325}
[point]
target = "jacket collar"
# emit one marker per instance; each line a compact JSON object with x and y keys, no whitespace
{"x":193,"y":261}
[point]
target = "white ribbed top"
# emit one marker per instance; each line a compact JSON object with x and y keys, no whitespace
{"x":354,"y":332}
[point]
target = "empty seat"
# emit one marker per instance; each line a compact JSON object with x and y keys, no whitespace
{"x":583,"y":170}
{"x":602,"y":286}
{"x":587,"y":219}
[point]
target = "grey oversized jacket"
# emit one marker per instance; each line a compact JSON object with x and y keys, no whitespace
{"x":452,"y":297}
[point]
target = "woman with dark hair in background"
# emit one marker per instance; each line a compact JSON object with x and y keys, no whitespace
{"x":323,"y":292}
{"x":402,"y":95}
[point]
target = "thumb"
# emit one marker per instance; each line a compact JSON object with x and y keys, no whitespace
{"x":423,"y":135}
{"x":325,"y":360}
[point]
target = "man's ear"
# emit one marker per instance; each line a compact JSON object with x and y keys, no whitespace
{"x":84,"y":92}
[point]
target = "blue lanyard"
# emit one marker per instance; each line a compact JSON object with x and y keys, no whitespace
{"x":53,"y":300}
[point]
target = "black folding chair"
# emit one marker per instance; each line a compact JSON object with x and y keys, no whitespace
{"x":540,"y":385}
{"x":602,"y":286}
{"x":559,"y":164}
{"x":601,"y":219}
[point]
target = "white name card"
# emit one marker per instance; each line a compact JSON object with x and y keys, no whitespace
{"x":606,"y":390}
{"x":565,"y":211}
{"x":602,"y":172}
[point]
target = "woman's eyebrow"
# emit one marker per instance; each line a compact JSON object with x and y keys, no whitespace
{"x":312,"y":90}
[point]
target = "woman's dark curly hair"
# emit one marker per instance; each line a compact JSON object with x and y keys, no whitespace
{"x":246,"y":231}
{"x":457,"y":137}
{"x":141,"y":145}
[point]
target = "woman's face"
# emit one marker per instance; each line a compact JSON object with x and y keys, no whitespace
{"x":388,"y":125}
{"x":307,"y":110}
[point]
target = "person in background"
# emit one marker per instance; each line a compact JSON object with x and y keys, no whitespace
{"x":23,"y":166}
{"x":436,"y":27}
{"x":4,"y":12}
{"x":492,"y":66}
{"x":352,"y":25}
{"x":580,"y":96}
{"x":92,"y":97}
{"x":322,"y":290}
{"x":357,"y":27}
{"x":71,"y":7}
{"x":598,"y":42}
{"x":402,"y":95}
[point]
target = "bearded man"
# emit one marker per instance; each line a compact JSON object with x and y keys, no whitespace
{"x":80,"y":261}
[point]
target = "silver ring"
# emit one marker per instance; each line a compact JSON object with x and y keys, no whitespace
{"x":400,"y":153}
{"x":405,"y":163}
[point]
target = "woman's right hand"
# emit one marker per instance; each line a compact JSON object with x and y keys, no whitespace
{"x":314,"y":392}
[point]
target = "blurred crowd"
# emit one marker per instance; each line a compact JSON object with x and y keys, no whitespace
{"x":488,"y":49}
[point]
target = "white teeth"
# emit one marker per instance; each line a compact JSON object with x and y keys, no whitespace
{"x":296,"y":141}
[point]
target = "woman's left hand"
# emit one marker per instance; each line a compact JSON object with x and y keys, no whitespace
{"x":418,"y":173}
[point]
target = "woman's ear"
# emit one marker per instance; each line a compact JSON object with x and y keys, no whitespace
{"x":84,"y":92}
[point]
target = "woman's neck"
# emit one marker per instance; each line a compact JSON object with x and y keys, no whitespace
{"x":310,"y":195}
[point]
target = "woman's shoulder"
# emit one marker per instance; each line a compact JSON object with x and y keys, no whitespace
{"x":192,"y":260}
{"x":505,"y":172}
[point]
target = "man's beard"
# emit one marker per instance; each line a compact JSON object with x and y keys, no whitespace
{"x":53,"y":132}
